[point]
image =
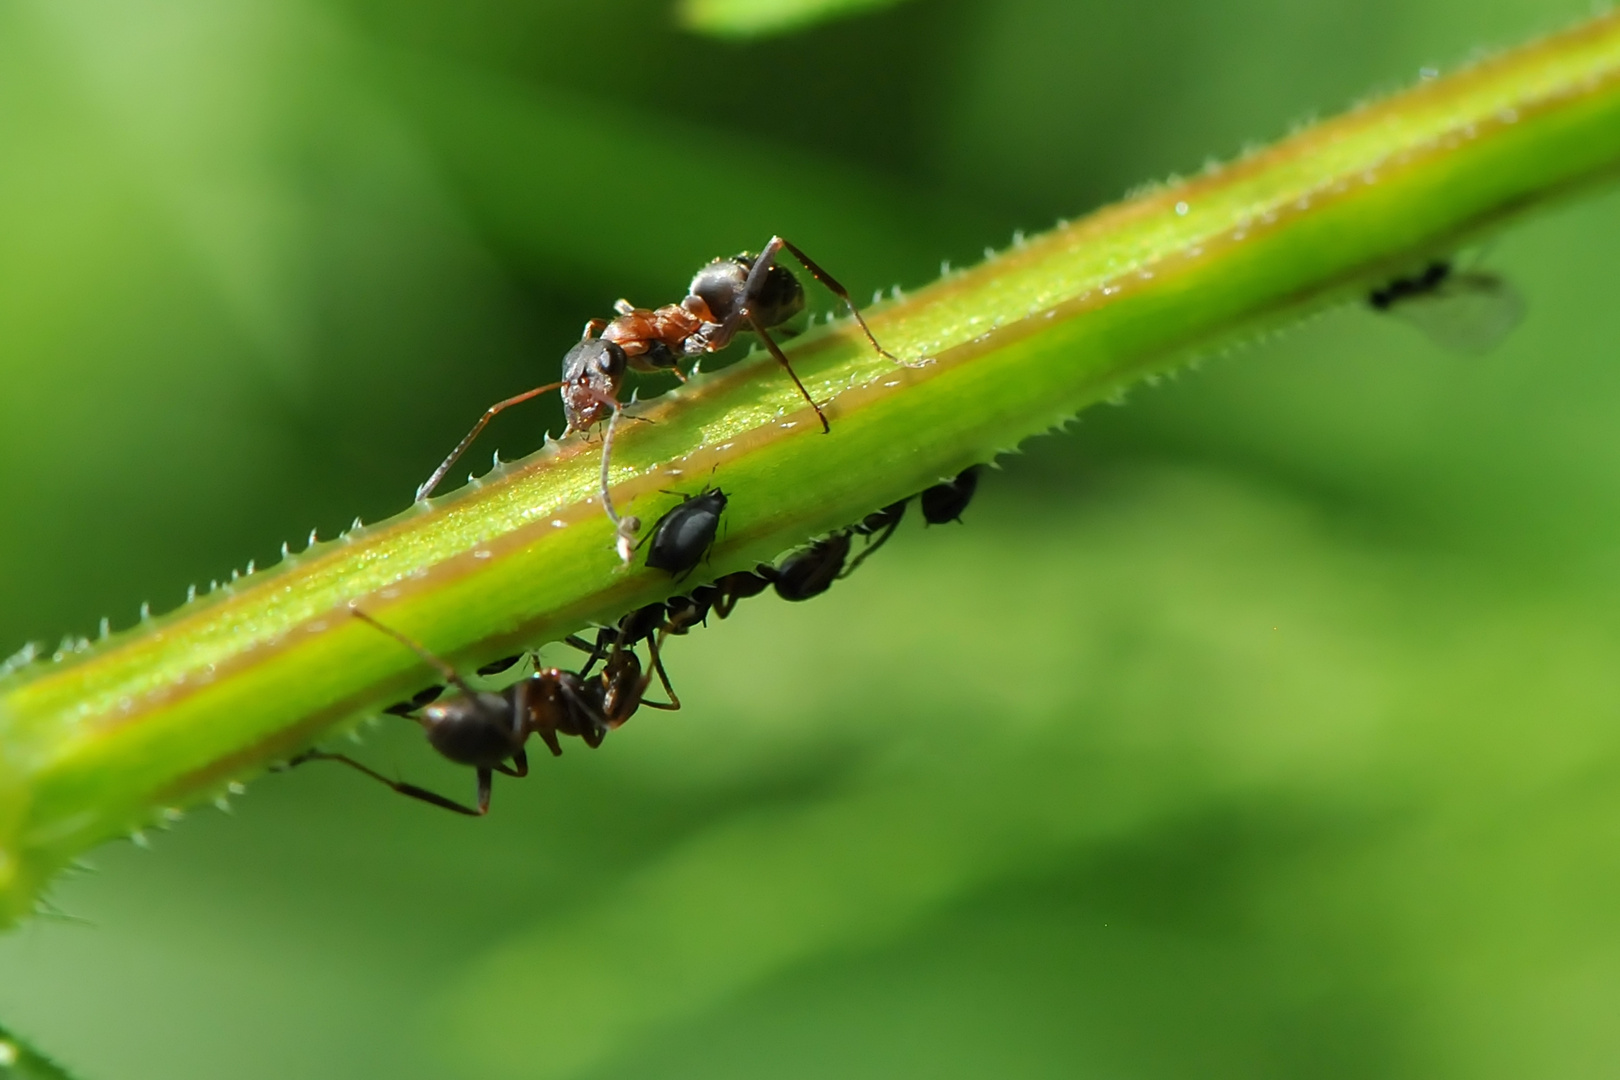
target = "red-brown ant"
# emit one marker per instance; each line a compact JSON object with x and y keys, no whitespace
{"x":487,"y":729}
{"x":728,"y":296}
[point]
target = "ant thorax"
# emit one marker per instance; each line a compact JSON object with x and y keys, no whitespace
{"x":654,"y":339}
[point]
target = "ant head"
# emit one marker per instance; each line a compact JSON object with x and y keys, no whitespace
{"x":620,"y":686}
{"x":594,"y":360}
{"x":592,"y":372}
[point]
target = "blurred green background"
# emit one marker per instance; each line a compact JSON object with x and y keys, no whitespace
{"x":1264,"y":727}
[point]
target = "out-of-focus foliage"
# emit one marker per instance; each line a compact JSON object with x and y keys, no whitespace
{"x":758,"y":18}
{"x":1265,"y":727}
{"x":19,"y":1061}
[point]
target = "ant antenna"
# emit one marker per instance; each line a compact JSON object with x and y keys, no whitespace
{"x":461,"y":448}
{"x":625,"y":527}
{"x":420,"y":650}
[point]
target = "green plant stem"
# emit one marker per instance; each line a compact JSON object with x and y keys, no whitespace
{"x":105,"y":738}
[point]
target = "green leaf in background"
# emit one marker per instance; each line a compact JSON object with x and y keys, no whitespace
{"x":760,"y":18}
{"x":19,"y":1061}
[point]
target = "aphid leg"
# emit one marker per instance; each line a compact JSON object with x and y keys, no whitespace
{"x":871,"y":546}
{"x":595,"y":654}
{"x":408,"y":790}
{"x":829,"y":282}
{"x":781,"y":358}
{"x":461,"y":448}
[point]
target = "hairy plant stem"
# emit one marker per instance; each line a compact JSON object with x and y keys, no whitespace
{"x":104,"y":738}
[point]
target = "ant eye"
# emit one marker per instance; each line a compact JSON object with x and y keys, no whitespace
{"x":610,"y":360}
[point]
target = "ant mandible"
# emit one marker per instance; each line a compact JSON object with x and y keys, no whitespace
{"x":746,"y":292}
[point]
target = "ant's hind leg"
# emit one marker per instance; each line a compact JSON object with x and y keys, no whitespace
{"x":833,"y":286}
{"x":408,"y":790}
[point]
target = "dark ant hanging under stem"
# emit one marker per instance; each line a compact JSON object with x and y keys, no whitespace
{"x":487,"y":729}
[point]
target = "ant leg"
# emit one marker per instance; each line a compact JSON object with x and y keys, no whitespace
{"x":495,"y":667}
{"x":594,"y":653}
{"x":408,"y":790}
{"x":832,"y":286}
{"x":549,"y":737}
{"x":419,"y":699}
{"x":461,"y":448}
{"x":519,"y":767}
{"x":781,"y":358}
{"x":663,"y":677}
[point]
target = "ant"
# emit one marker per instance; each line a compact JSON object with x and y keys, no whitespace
{"x":487,"y":729}
{"x":746,"y":292}
{"x":725,"y":298}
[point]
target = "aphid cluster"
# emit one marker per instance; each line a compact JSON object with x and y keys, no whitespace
{"x":488,"y":729}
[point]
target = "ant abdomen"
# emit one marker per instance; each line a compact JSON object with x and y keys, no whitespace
{"x":461,"y":729}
